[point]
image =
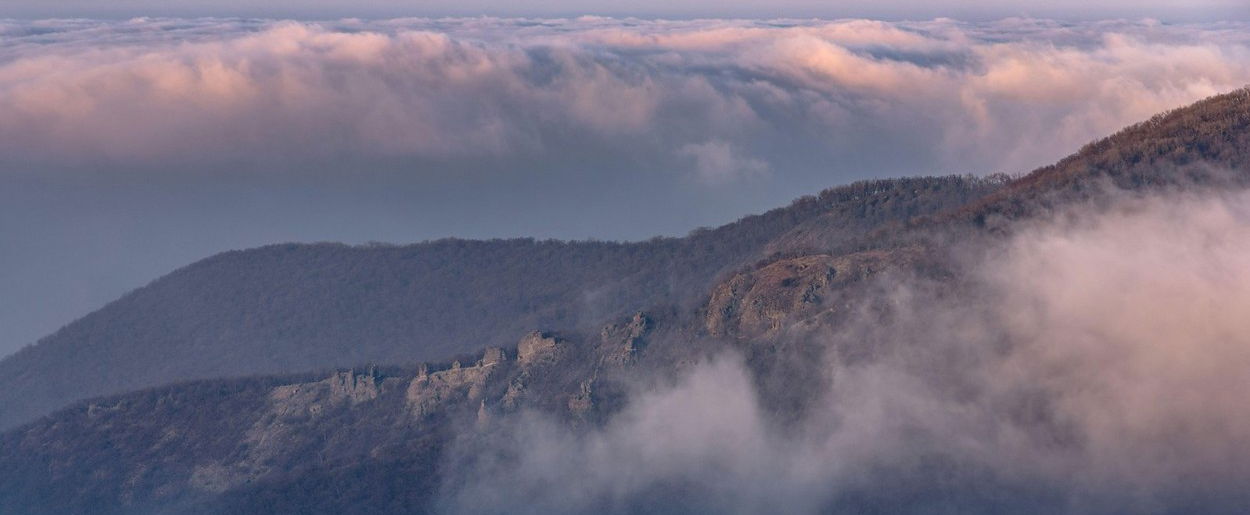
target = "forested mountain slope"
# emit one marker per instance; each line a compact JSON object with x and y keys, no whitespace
{"x":1206,"y":144}
{"x":293,"y":307}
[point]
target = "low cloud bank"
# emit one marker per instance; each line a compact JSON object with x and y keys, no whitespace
{"x":1097,"y":363}
{"x":720,"y":100}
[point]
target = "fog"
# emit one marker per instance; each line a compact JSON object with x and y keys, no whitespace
{"x":131,"y":147}
{"x":1095,"y":362}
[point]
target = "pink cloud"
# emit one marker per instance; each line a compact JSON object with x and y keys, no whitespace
{"x":976,"y":97}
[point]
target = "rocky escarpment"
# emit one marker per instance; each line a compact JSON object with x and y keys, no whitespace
{"x":760,"y":302}
{"x":578,"y":379}
{"x":536,"y":352}
{"x":542,"y":367}
{"x":290,"y":409}
{"x":428,"y":391}
{"x":341,"y":387}
{"x":351,"y":423}
{"x":186,"y":450}
{"x":619,"y":344}
{"x":293,"y":308}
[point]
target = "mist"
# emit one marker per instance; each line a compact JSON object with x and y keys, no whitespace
{"x":1095,"y":361}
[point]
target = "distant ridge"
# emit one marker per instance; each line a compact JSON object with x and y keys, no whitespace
{"x":295,"y":307}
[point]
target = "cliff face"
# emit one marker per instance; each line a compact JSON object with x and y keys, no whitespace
{"x":288,"y":407}
{"x":429,"y":392}
{"x":397,"y":420}
{"x":619,"y":344}
{"x":759,"y":303}
{"x":373,"y":440}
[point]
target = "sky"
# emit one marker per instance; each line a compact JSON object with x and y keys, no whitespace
{"x":130,"y":146}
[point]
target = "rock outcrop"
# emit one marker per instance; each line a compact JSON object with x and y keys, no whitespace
{"x":535,"y":352}
{"x":429,"y":390}
{"x":536,"y":348}
{"x":312,"y":398}
{"x":581,"y":402}
{"x":620,"y":343}
{"x":290,"y":407}
{"x":759,"y":302}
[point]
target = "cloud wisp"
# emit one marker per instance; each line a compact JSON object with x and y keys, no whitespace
{"x":1093,"y":366}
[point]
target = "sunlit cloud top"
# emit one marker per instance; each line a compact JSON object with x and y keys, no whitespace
{"x":719,"y":99}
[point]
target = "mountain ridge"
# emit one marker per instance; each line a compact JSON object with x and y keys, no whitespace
{"x":290,"y":307}
{"x":375,"y":439}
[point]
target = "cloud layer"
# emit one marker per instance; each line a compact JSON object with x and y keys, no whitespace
{"x":737,"y":96}
{"x":1097,"y":366}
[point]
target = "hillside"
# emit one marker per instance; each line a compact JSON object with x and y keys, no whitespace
{"x":1204,"y":145}
{"x":292,"y":307}
{"x":392,"y":439}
